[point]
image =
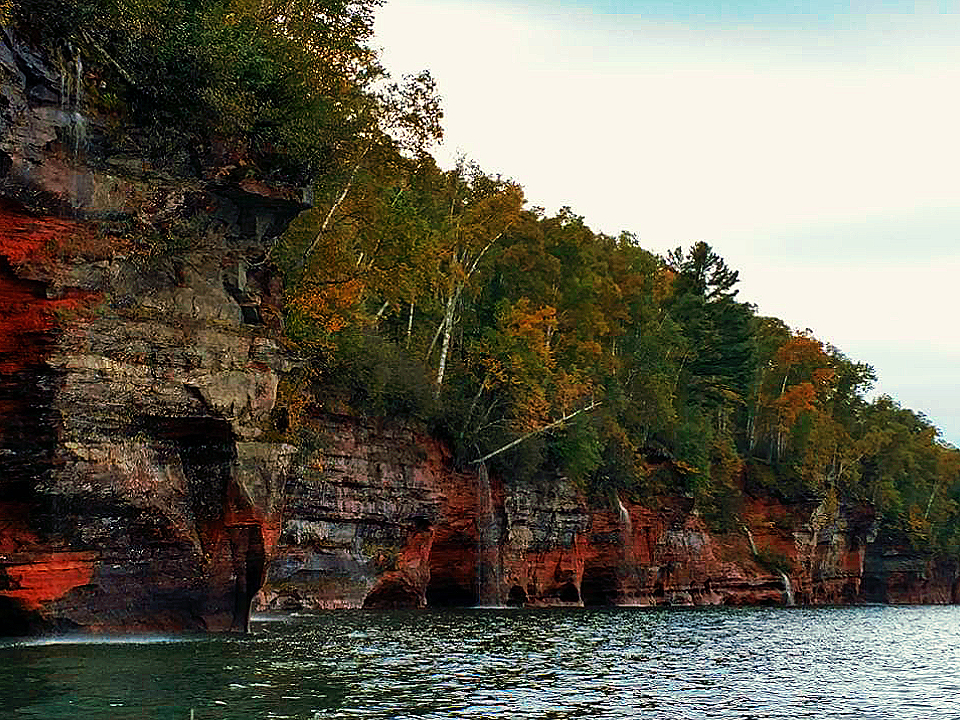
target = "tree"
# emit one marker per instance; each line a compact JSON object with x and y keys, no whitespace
{"x":702,"y":272}
{"x":409,"y":111}
{"x":717,"y":362}
{"x":481,"y":209}
{"x":272,"y":83}
{"x":797,"y":379}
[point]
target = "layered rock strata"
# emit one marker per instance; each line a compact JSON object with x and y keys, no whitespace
{"x":380,"y":518}
{"x":139,"y":489}
{"x":136,"y":491}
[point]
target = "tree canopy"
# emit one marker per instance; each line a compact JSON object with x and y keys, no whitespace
{"x":435,"y":293}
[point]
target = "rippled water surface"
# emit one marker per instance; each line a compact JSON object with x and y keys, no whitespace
{"x":865,"y":663}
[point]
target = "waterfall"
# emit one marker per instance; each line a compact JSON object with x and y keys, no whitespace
{"x":628,"y":579}
{"x":624,"y":517}
{"x":71,"y":97}
{"x":626,"y":523}
{"x":489,"y":569}
{"x":787,"y":589}
{"x":753,"y":545}
{"x":79,"y":123}
{"x":74,"y":124}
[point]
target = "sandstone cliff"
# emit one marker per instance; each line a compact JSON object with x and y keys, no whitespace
{"x":140,"y":487}
{"x":379,"y":517}
{"x":135,"y":490}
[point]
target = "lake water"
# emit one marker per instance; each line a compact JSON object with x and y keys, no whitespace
{"x":868,"y":663}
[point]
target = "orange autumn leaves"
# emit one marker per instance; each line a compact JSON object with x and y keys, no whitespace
{"x":328,"y":296}
{"x":796,"y":382}
{"x":806,"y":377}
{"x":330,"y":306}
{"x":518,"y":362}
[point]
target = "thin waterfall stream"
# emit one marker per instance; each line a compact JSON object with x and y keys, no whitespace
{"x":626,"y":529}
{"x":628,"y":570}
{"x":626,"y":522}
{"x":489,"y":569}
{"x":788,"y":589}
{"x":75,"y":129}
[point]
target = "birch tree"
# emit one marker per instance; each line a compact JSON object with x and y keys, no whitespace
{"x":402,"y":115}
{"x":480,"y":210}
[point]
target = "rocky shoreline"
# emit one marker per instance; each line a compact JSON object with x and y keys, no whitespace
{"x":145,"y":484}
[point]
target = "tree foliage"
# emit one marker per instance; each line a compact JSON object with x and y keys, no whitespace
{"x":423,"y":292}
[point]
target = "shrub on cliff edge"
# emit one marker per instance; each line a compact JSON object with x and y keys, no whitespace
{"x":282,"y":83}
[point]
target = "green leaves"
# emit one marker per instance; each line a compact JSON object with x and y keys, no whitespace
{"x":702,"y":272}
{"x":408,"y":283}
{"x":281,"y":83}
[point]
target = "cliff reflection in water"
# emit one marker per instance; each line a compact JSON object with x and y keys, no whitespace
{"x":863,"y":662}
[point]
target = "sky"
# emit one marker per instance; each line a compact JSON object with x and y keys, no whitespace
{"x":814,"y":145}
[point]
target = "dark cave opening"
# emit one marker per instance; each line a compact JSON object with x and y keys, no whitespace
{"x":447,"y":591}
{"x":453,"y":572}
{"x":517,"y":596}
{"x":392,"y":596}
{"x":568,"y":593}
{"x":599,"y":586}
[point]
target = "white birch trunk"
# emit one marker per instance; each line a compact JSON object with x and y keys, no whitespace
{"x":530,"y":434}
{"x":783,"y":389}
{"x":338,"y":202}
{"x":409,"y":325}
{"x":447,"y":334}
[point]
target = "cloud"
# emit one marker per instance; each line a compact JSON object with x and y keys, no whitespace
{"x":690,"y":149}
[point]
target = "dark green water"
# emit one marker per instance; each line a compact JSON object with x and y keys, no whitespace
{"x":868,"y":663}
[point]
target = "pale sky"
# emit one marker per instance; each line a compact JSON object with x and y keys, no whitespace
{"x":813,"y":145}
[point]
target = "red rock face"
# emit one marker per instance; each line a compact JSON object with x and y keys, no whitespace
{"x":390,"y":523}
{"x":639,"y":556}
{"x":895,"y":573}
{"x":376,"y":518}
{"x":135,"y":382}
{"x":31,"y":574}
{"x":138,"y":492}
{"x":41,"y":578}
{"x":455,"y":555}
{"x":404,"y":586}
{"x":134,"y":494}
{"x":29,"y":317}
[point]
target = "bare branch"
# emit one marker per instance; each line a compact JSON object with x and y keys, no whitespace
{"x":530,"y":434}
{"x":338,"y":201}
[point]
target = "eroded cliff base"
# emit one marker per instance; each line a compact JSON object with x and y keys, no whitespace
{"x":385,"y":520}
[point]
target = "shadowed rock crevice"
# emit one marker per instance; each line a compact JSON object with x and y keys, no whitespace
{"x":453,"y":573}
{"x":599,"y":586}
{"x":568,"y":593}
{"x":15,"y":619}
{"x":517,"y":597}
{"x":229,"y":527}
{"x":249,"y":560}
{"x":393,"y":595}
{"x":206,"y":450}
